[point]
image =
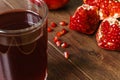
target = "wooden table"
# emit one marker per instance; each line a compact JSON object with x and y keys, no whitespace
{"x":87,"y":61}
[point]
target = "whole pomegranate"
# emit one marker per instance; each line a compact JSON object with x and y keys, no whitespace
{"x":52,"y":4}
{"x":56,"y":4}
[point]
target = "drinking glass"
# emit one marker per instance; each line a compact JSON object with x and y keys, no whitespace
{"x":23,"y":40}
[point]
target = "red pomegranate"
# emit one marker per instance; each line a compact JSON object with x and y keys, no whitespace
{"x":108,"y":35}
{"x":52,"y":4}
{"x":85,"y":19}
{"x":56,"y":4}
{"x":106,"y":7}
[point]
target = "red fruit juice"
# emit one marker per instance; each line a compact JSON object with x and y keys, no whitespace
{"x":23,"y":57}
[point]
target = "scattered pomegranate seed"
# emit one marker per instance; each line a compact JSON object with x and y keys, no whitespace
{"x":55,"y":39}
{"x":66,"y":54}
{"x":63,"y":23}
{"x":64,"y":45}
{"x":58,"y":43}
{"x":58,"y":34}
{"x":53,"y":24}
{"x":49,"y":29}
{"x":63,"y":31}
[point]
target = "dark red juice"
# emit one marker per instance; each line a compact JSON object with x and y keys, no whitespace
{"x":23,"y":57}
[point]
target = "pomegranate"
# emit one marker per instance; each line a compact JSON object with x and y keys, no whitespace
{"x":85,"y":19}
{"x":108,"y":35}
{"x":56,"y":4}
{"x":106,"y":7}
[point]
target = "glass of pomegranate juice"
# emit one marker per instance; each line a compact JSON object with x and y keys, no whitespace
{"x":23,"y":40}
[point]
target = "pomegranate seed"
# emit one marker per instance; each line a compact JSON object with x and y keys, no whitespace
{"x":64,"y":45}
{"x":58,"y":43}
{"x":49,"y":29}
{"x":63,"y":23}
{"x":59,"y":34}
{"x":66,"y":54}
{"x":55,"y":39}
{"x":53,"y":24}
{"x":63,"y":31}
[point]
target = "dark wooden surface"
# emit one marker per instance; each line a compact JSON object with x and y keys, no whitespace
{"x":87,"y":61}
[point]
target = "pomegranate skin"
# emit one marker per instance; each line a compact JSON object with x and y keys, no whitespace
{"x":56,"y":4}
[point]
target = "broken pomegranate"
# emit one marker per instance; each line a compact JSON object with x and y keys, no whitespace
{"x":106,"y":7}
{"x":114,"y":9}
{"x":85,"y":19}
{"x":111,"y":8}
{"x":108,"y":35}
{"x":93,"y":2}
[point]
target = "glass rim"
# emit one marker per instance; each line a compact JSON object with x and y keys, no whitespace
{"x":34,"y":26}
